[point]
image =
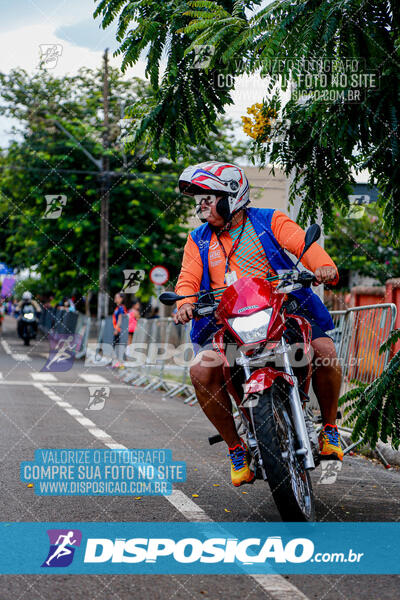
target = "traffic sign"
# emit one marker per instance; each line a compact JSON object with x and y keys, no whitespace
{"x":159,"y":275}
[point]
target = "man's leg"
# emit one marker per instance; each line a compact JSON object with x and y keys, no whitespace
{"x":208,"y":380}
{"x":214,"y":399}
{"x":326,"y":378}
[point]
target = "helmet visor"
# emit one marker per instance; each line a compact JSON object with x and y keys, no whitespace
{"x":208,"y":199}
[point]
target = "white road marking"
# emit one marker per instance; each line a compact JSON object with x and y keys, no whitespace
{"x":275,"y":585}
{"x":20,"y":357}
{"x":74,"y":412}
{"x":278,"y":587}
{"x":14,"y":355}
{"x":6,"y":346}
{"x":43,"y":377}
{"x":93,"y":378}
{"x":187,"y":507}
{"x":120,"y":386}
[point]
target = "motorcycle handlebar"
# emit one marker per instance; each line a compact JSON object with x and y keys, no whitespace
{"x":306,"y":279}
{"x":203,"y":309}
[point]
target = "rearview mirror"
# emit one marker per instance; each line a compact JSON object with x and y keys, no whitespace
{"x":313,"y":234}
{"x":169,"y":298}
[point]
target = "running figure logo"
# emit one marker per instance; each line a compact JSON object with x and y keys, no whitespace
{"x":330,"y":471}
{"x":97,"y":397}
{"x":54,"y":206}
{"x":63,"y":543}
{"x":203,"y":54}
{"x":62,"y":351}
{"x":49,"y":54}
{"x":133,"y":279}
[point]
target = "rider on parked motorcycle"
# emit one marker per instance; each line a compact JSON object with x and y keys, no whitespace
{"x":234,"y":242}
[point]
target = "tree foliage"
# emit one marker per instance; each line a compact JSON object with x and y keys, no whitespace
{"x":187,"y":101}
{"x":374,"y":410}
{"x":361,"y":244}
{"x":147,"y":216}
{"x":326,"y":139}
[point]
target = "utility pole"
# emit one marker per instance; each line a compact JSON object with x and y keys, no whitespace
{"x":102,"y":302}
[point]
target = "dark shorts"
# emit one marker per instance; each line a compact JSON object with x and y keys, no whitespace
{"x":316,"y":332}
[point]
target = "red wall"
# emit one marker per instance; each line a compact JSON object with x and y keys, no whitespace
{"x":364,"y":295}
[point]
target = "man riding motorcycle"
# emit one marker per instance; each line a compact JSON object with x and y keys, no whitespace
{"x":26,"y":300}
{"x":236,"y":241}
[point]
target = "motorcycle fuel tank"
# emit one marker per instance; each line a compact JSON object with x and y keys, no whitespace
{"x":247,"y":296}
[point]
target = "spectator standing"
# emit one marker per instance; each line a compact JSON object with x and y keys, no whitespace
{"x":119,"y":311}
{"x":134,"y":315}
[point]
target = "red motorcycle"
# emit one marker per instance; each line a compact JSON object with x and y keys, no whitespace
{"x":257,"y":341}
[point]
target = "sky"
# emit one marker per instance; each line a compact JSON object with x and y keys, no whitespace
{"x":25,"y":25}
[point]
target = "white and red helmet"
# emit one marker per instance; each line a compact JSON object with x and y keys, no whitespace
{"x":221,"y":179}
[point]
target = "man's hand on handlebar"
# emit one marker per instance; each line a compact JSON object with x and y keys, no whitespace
{"x":325,"y":275}
{"x":184,"y":313}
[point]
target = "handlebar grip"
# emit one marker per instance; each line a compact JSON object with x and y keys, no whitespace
{"x":306,"y":278}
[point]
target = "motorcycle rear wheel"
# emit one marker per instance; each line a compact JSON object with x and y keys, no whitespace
{"x":290,"y":483}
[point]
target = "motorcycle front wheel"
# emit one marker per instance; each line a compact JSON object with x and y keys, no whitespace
{"x":290,"y":483}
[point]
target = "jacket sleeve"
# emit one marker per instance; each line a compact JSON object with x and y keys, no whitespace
{"x":189,"y":279}
{"x":36,"y":306}
{"x":291,"y":237}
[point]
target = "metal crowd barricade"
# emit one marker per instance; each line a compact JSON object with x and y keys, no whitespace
{"x":142,"y":336}
{"x":358,"y":335}
{"x":47,"y":319}
{"x":65,"y":322}
{"x":83,"y":330}
{"x":152,"y":374}
{"x":106,"y":336}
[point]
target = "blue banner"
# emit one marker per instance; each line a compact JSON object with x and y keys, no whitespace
{"x":204,"y":548}
{"x":88,"y":472}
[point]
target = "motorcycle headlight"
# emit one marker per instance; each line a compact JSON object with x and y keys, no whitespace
{"x":252,"y":328}
{"x":28,"y":316}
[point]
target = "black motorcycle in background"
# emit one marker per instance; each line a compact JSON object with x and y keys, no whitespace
{"x":27,"y":323}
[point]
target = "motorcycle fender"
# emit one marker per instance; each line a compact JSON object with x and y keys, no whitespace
{"x":218,"y":344}
{"x":262,"y":379}
{"x":305,"y":329}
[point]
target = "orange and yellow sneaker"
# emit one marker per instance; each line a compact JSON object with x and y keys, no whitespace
{"x":240,"y":470}
{"x":329,"y":443}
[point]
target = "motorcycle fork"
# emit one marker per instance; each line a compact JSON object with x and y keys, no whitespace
{"x":251,"y":436}
{"x":296,"y":408}
{"x":297,"y":413}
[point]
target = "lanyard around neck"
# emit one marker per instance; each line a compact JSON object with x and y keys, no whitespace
{"x":235,"y":245}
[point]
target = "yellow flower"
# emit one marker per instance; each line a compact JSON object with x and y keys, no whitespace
{"x":260,"y":127}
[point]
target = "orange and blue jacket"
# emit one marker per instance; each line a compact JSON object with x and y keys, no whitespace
{"x":249,"y":258}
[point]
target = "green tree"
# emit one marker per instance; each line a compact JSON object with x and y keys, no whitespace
{"x":147,"y":215}
{"x":361,"y":244}
{"x":374,"y":409}
{"x":187,"y":101}
{"x":324,"y":139}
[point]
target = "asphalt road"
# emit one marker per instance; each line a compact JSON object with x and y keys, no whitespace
{"x":31,"y":419}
